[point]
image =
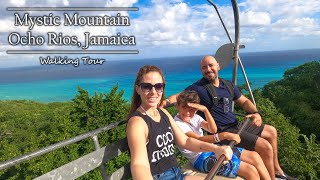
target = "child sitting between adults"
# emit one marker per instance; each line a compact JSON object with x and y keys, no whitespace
{"x":244,"y":163}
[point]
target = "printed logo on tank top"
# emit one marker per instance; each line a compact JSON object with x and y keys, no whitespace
{"x":165,"y":144}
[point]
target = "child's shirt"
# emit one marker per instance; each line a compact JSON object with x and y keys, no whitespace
{"x":194,"y":126}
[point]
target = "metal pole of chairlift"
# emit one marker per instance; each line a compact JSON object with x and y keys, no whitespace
{"x":240,"y":62}
{"x":236,"y":43}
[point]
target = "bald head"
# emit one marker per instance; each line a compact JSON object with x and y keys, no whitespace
{"x":207,"y":59}
{"x":209,"y":68}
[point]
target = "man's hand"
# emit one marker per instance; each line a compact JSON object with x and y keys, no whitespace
{"x":164,"y":103}
{"x":256,"y":118}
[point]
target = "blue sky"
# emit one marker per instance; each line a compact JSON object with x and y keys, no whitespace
{"x":180,"y":27}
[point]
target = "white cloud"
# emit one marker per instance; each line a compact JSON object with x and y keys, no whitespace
{"x":280,"y":20}
{"x":251,"y":18}
{"x":166,"y":24}
{"x":162,"y":24}
{"x":17,"y":3}
{"x":120,"y":3}
{"x":246,"y":40}
{"x":296,"y":27}
{"x":65,"y":2}
{"x":7,"y":25}
{"x":3,"y":49}
{"x":284,"y":8}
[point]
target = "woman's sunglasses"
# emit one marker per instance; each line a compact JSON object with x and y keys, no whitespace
{"x":147,"y":87}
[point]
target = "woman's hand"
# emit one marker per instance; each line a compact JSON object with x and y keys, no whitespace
{"x":224,"y":150}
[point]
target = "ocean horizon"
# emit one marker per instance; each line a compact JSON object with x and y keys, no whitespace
{"x":58,"y":83}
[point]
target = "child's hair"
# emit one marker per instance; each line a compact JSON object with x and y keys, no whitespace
{"x":187,"y":96}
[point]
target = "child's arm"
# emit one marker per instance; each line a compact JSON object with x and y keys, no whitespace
{"x":209,"y":125}
{"x":229,"y":136}
{"x":211,"y":139}
{"x":195,"y":145}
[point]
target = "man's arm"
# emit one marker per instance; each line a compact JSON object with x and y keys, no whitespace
{"x":246,"y":104}
{"x":171,"y":99}
{"x":250,"y":108}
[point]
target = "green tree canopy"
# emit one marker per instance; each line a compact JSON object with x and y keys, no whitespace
{"x":297,"y":96}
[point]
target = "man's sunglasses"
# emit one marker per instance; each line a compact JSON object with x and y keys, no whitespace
{"x":225,"y":103}
{"x":147,"y":87}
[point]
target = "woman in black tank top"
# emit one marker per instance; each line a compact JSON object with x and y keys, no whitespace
{"x":152,"y":132}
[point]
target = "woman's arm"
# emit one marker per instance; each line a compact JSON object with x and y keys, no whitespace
{"x":140,"y":167}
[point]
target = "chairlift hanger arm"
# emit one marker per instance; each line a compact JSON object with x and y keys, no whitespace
{"x":224,"y":26}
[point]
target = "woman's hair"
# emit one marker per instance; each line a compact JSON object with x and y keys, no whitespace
{"x":136,"y":100}
{"x":187,"y":96}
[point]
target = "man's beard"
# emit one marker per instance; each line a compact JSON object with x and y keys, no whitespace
{"x":211,"y":79}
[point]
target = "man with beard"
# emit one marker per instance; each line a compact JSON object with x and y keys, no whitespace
{"x":256,"y":136}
